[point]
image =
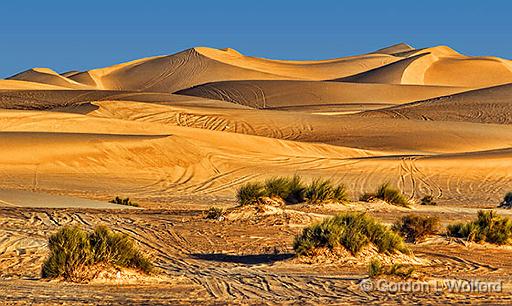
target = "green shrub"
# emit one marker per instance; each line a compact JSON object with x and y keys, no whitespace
{"x":367,"y":197}
{"x":279,"y":187}
{"x":292,"y":191}
{"x":428,"y":200}
{"x":320,"y":191}
{"x":507,"y":200}
{"x":215,"y":213}
{"x":488,"y":227}
{"x":353,"y":231}
{"x":388,"y":194}
{"x":391,"y":195}
{"x":415,"y":228}
{"x":250,"y":193}
{"x":376,"y":268}
{"x":125,"y":201}
{"x":296,"y":190}
{"x":73,"y":251}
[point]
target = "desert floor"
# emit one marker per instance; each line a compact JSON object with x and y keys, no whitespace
{"x":180,"y":133}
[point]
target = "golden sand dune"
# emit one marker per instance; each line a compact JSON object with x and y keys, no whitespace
{"x":439,"y":66}
{"x":203,"y":65}
{"x":310,"y":95}
{"x":489,"y":105}
{"x":47,"y":76}
{"x":24,"y":85}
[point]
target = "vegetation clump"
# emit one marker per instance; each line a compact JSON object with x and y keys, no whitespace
{"x":376,"y":268}
{"x":74,"y":253}
{"x":250,"y":193}
{"x":388,"y":194}
{"x":215,"y":213}
{"x":320,"y":191}
{"x":507,"y":200}
{"x":416,"y":228}
{"x":352,"y":231}
{"x":428,"y":200}
{"x":292,"y":190}
{"x":488,"y":227}
{"x":125,"y":201}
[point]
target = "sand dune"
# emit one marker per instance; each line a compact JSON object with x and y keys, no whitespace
{"x":47,"y":76}
{"x":440,"y":66}
{"x":308,"y":95}
{"x":489,"y":105}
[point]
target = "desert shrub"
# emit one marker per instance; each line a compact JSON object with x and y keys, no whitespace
{"x":296,"y":190}
{"x":507,"y":200}
{"x":125,"y":201}
{"x":214,"y":213}
{"x":352,"y":231}
{"x":388,"y":194}
{"x":488,"y":227}
{"x":279,"y":187}
{"x":367,"y":197}
{"x":415,"y":228}
{"x":428,"y":200}
{"x":376,"y":268}
{"x":250,"y":193}
{"x":292,"y":191}
{"x":73,"y":251}
{"x":320,"y":191}
{"x":391,"y":195}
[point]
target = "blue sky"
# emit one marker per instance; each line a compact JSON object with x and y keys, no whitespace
{"x":69,"y":35}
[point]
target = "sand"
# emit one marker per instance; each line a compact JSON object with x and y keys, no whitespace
{"x":180,"y":133}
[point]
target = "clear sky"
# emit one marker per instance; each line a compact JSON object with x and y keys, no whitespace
{"x":80,"y":35}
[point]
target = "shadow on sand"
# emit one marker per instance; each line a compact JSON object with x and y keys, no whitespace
{"x":243,"y":259}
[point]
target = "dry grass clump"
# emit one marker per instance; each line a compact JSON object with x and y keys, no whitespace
{"x":376,"y":268}
{"x":75,"y":253}
{"x":415,"y":228}
{"x":388,"y":194}
{"x":292,"y":190}
{"x":488,"y":227}
{"x":125,"y":201}
{"x":250,"y":193}
{"x":215,"y":213}
{"x":507,"y":200}
{"x":428,"y":200}
{"x":352,"y":231}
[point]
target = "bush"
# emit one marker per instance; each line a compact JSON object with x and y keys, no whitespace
{"x":125,"y":201}
{"x":391,"y":195}
{"x":488,"y":227}
{"x":353,"y":231}
{"x":215,"y":213}
{"x":367,"y":197}
{"x":415,"y":228}
{"x":320,"y":191}
{"x":375,"y":268}
{"x":296,"y":190}
{"x":428,"y":200}
{"x":507,"y":200}
{"x":388,"y":194}
{"x":250,"y":193}
{"x":74,"y":251}
{"x":291,"y":190}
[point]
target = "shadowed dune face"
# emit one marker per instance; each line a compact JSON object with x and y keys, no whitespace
{"x":203,"y":121}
